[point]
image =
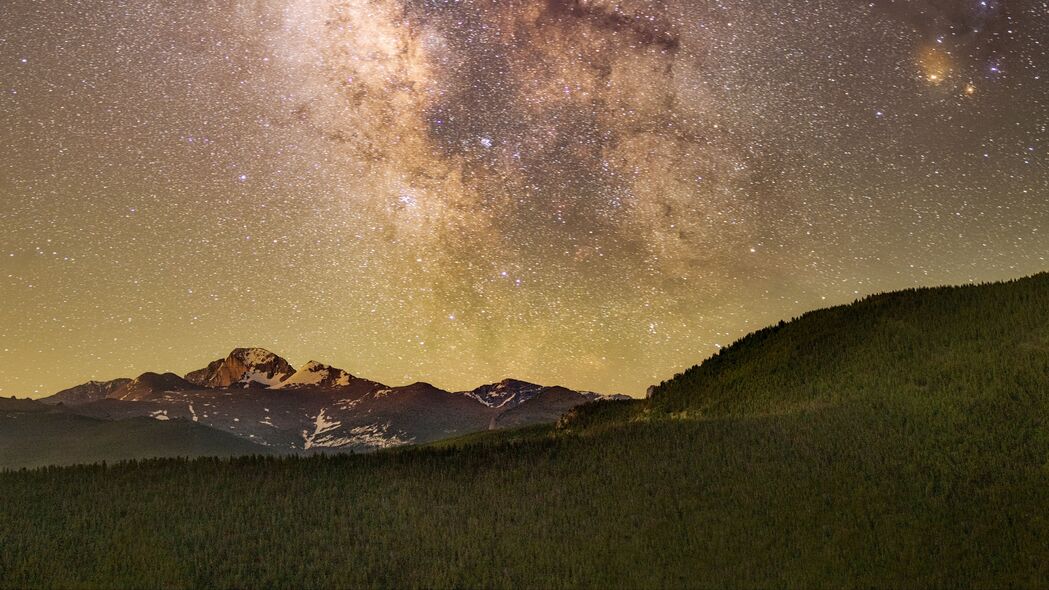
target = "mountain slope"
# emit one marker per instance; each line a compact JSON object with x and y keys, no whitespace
{"x":546,"y":406}
{"x":34,"y":434}
{"x":318,"y":375}
{"x":86,"y":392}
{"x":506,"y":394}
{"x":149,"y":385}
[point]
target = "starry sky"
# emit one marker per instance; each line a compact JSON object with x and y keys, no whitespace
{"x":581,"y":192}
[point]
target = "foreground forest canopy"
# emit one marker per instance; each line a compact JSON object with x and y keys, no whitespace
{"x":898,"y":441}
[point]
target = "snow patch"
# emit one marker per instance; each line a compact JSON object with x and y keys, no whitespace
{"x":255,"y":376}
{"x":257,"y":356}
{"x":321,"y":425}
{"x":377,"y":436}
{"x":348,"y":404}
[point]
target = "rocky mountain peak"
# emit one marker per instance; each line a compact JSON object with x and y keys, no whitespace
{"x":244,"y":367}
{"x":315,"y":374}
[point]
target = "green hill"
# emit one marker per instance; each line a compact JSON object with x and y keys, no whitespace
{"x":901,"y":441}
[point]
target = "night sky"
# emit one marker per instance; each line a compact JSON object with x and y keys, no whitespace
{"x":588,"y":193}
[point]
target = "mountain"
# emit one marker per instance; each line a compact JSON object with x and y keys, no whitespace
{"x":505,"y":394}
{"x":544,"y":406}
{"x":243,"y":367}
{"x":318,"y":375}
{"x":87,"y":392}
{"x":256,"y":395}
{"x":520,"y":403}
{"x":150,"y":385}
{"x":34,"y":434}
{"x":898,"y":441}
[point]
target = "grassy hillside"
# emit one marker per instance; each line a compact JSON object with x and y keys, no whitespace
{"x":33,"y":435}
{"x":900,"y":441}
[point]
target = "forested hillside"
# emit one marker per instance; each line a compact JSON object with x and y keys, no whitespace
{"x":926,"y":346}
{"x":898,"y":441}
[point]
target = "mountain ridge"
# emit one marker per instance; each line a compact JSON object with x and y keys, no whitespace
{"x":256,"y":394}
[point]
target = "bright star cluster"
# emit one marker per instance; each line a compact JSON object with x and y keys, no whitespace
{"x":584,"y":192}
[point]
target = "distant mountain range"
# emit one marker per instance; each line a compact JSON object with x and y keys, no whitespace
{"x":259,"y":397}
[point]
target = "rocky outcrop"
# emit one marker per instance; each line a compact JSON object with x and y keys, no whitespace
{"x":202,"y":376}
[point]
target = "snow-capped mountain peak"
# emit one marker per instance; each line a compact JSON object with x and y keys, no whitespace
{"x":315,"y":374}
{"x":505,"y":394}
{"x":244,"y":367}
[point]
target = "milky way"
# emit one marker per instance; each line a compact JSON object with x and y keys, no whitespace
{"x":590,"y":193}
